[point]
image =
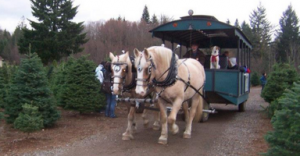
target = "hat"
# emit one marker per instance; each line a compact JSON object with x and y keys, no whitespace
{"x":195,"y":43}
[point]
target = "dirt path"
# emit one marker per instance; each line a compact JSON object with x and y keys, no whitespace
{"x":227,"y":133}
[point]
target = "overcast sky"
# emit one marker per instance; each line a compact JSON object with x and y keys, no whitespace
{"x":11,"y":11}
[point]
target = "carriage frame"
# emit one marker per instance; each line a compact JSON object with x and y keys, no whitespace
{"x":223,"y":86}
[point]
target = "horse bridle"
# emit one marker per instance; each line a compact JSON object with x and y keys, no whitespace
{"x":139,"y":69}
{"x":117,"y":68}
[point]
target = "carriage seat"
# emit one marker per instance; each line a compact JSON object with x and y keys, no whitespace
{"x":223,"y":62}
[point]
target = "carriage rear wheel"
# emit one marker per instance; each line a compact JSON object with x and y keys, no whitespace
{"x":242,"y":106}
{"x":205,"y":115}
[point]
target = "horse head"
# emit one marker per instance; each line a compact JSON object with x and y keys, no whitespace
{"x":144,"y":66}
{"x":121,"y":69}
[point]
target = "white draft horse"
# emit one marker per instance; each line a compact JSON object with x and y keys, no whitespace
{"x":124,"y":83}
{"x":175,"y":82}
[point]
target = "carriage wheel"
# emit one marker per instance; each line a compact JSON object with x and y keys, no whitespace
{"x":205,"y":115}
{"x":242,"y":106}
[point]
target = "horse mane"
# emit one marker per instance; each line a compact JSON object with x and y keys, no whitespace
{"x":162,"y":55}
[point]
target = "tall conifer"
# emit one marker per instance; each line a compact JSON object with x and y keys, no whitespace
{"x":55,"y":35}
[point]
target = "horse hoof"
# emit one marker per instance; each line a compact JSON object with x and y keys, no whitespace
{"x":127,"y":137}
{"x":162,"y":141}
{"x":175,"y":129}
{"x":186,"y":136}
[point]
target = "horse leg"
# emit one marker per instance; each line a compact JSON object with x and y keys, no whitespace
{"x":127,"y":135}
{"x":163,"y":139}
{"x":145,"y":118}
{"x":156,"y":124}
{"x":172,"y":117}
{"x":185,"y":108}
{"x":195,"y":104}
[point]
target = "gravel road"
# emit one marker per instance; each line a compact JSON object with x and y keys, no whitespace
{"x":228,"y":133}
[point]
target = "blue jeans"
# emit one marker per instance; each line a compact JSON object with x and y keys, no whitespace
{"x":110,"y":105}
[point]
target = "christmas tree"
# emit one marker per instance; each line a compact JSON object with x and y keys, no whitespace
{"x":255,"y":79}
{"x":30,"y":85}
{"x":59,"y":80}
{"x":282,"y":77}
{"x":81,"y":91}
{"x":4,"y":83}
{"x":29,"y":120}
{"x":285,"y":138}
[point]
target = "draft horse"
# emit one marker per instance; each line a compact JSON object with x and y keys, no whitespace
{"x":176,"y":81}
{"x":124,"y":74}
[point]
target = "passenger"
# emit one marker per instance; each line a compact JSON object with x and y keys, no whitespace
{"x":233,"y":64}
{"x":195,"y":53}
{"x":226,"y":54}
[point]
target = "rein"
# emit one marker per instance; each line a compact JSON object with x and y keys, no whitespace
{"x":171,"y":77}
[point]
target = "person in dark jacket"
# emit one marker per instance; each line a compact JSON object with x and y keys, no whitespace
{"x":195,"y":53}
{"x":263,"y":81}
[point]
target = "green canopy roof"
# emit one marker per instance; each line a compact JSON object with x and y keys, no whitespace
{"x":205,"y":30}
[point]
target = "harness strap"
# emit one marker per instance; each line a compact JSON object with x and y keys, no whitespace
{"x":195,"y":89}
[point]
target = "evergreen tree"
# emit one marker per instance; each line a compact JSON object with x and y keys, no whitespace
{"x":154,"y":19}
{"x":55,"y":35}
{"x":285,"y":137}
{"x":245,"y":27}
{"x":282,"y":77}
{"x":1,"y":116}
{"x":4,"y":83}
{"x":289,"y":41}
{"x":81,"y":91}
{"x":29,"y":120}
{"x":261,"y":30}
{"x":255,"y":79}
{"x":145,"y":15}
{"x":5,"y":38}
{"x":60,"y":79}
{"x":237,"y":24}
{"x":30,"y":85}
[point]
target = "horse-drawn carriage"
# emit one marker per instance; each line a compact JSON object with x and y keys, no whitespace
{"x":184,"y":82}
{"x":224,"y":86}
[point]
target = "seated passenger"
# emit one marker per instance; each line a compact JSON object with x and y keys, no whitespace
{"x":226,"y":54}
{"x":195,"y":53}
{"x":232,"y":64}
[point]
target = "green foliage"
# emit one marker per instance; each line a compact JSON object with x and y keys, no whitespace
{"x":145,"y":15}
{"x":3,"y":90}
{"x":5,"y":80}
{"x":282,"y":77}
{"x":55,"y":35}
{"x":285,"y":138}
{"x":1,"y":116}
{"x":30,"y":85}
{"x":59,"y":80}
{"x":29,"y":120}
{"x":154,"y":19}
{"x":255,"y":79}
{"x":261,"y":32}
{"x":81,"y":91}
{"x":288,"y":36}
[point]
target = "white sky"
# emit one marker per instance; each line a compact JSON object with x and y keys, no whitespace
{"x":11,"y":11}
